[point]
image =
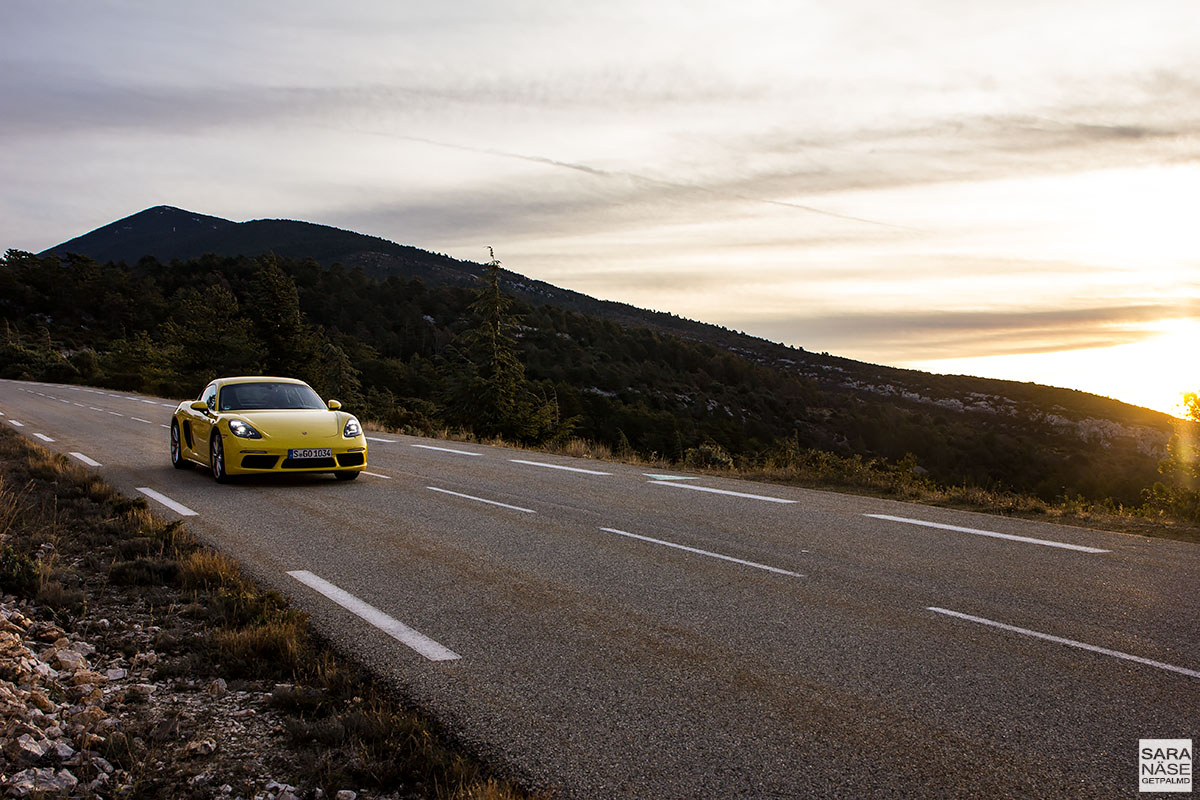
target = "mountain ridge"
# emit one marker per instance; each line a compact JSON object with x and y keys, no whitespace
{"x":193,"y":235}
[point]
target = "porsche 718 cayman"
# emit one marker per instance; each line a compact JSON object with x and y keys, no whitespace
{"x":261,"y":425}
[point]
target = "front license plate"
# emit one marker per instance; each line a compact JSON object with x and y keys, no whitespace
{"x":312,"y":452}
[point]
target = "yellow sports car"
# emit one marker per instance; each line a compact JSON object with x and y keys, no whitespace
{"x":257,"y":425}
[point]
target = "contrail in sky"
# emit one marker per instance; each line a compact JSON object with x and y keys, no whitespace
{"x":584,"y":168}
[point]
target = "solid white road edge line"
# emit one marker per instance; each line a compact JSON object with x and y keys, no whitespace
{"x":389,"y":625}
{"x":558,"y":466}
{"x":481,"y":500}
{"x":446,"y":449}
{"x":90,"y":462}
{"x":43,"y":437}
{"x":992,"y":534}
{"x":722,"y":491}
{"x":708,"y":553}
{"x":179,"y":508}
{"x":1069,"y":642}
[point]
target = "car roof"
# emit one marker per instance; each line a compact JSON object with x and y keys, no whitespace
{"x":259,"y":379}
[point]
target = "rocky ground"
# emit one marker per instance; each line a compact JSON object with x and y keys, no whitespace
{"x":69,"y":699}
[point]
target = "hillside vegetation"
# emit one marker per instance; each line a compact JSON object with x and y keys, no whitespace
{"x":416,"y":357}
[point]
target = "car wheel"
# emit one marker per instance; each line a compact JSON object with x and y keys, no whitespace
{"x":216,"y":459}
{"x":177,"y":459}
{"x":345,"y":476}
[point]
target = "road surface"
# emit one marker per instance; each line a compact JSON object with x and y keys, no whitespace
{"x":613,"y":631}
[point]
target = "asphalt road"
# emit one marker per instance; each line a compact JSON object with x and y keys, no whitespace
{"x":610,"y":633}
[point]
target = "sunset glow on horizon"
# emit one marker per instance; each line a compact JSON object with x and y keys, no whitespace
{"x":998,"y":189}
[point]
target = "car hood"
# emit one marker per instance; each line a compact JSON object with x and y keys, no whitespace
{"x":299,"y":423}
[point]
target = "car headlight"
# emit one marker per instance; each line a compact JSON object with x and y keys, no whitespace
{"x":243,"y":430}
{"x":352,"y":429}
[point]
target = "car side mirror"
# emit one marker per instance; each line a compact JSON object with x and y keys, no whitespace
{"x":334,"y":405}
{"x":199,"y":405}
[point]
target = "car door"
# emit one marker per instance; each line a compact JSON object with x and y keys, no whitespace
{"x":200,"y":423}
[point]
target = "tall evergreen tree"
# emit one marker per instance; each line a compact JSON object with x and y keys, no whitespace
{"x":486,"y":389}
{"x":273,"y":304}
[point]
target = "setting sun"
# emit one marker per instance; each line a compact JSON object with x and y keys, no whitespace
{"x":1153,"y":372}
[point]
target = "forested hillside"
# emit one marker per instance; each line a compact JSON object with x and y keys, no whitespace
{"x":408,"y":355}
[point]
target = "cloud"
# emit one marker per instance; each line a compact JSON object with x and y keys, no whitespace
{"x":903,"y":336}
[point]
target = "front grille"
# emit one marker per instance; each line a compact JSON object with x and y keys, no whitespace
{"x":351,"y":459}
{"x":308,"y":463}
{"x":259,"y":462}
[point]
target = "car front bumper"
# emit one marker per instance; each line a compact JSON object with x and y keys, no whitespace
{"x":252,"y":456}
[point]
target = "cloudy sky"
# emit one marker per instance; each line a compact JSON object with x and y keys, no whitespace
{"x":998,"y":187}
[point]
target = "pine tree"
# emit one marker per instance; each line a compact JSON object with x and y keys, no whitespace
{"x":273,"y":304}
{"x":486,"y":389}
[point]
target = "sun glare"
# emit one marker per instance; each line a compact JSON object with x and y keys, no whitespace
{"x":1154,"y":372}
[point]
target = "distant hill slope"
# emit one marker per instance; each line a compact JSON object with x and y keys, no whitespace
{"x":168,"y":233}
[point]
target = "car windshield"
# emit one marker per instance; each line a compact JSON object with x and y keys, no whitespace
{"x":249,"y":396}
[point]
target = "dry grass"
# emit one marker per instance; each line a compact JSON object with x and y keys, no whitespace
{"x":277,"y":646}
{"x":208,"y":570}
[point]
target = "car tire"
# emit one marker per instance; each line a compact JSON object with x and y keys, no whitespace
{"x":216,"y":459}
{"x":177,"y":459}
{"x":345,"y":476}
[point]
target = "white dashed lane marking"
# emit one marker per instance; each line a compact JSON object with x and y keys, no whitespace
{"x":1069,"y":642}
{"x":558,"y":466}
{"x":991,"y":534}
{"x":481,"y":500}
{"x":177,"y":507}
{"x":689,"y":487}
{"x":393,"y":627}
{"x":445,"y":449}
{"x":707,"y":553}
{"x":90,"y":462}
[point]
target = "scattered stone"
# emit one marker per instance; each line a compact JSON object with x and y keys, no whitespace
{"x":25,"y":749}
{"x":218,"y":688}
{"x":83,"y":648}
{"x":69,"y":660}
{"x":60,"y":751}
{"x":201,"y":747}
{"x":41,"y":701}
{"x":40,"y":781}
{"x":346,"y":794}
{"x":86,"y":676}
